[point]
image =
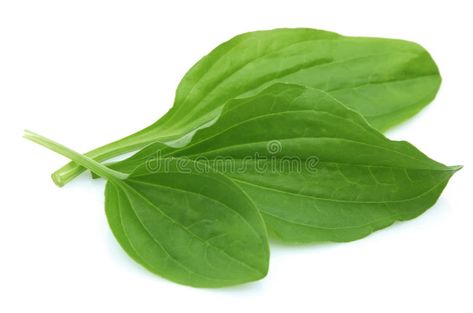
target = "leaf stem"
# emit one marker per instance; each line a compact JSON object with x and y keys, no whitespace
{"x":128,"y":144}
{"x":78,"y":158}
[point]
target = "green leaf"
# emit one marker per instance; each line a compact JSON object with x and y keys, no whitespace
{"x":194,"y":228}
{"x":386,"y":80}
{"x":347,"y":180}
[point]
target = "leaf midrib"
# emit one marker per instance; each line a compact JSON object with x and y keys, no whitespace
{"x":330,"y":138}
{"x":242,"y":181}
{"x":341,"y":61}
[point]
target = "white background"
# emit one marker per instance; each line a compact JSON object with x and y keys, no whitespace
{"x":87,"y":72}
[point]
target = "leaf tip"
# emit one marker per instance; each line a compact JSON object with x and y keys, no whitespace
{"x":456,"y":168}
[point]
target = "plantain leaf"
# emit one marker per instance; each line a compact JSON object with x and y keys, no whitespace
{"x":385,"y":80}
{"x":315,"y":169}
{"x":194,"y":228}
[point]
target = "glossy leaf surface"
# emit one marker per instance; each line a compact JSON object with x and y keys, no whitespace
{"x":194,"y":228}
{"x":386,"y":80}
{"x":351,"y":181}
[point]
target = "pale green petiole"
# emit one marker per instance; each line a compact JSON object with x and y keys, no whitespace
{"x":81,"y":160}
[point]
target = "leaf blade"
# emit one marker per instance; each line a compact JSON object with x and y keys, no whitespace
{"x":362,"y":180}
{"x":352,"y":69}
{"x":202,"y":251}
